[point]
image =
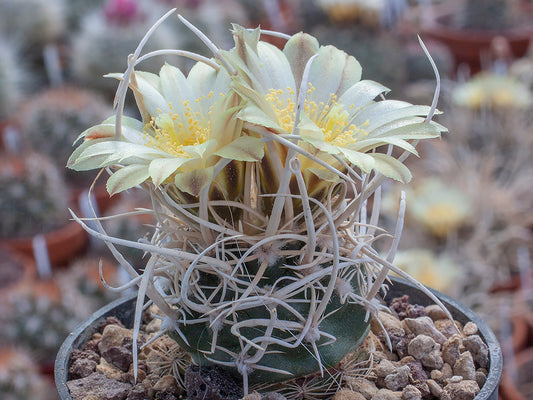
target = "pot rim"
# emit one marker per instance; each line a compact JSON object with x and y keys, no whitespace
{"x":459,"y":311}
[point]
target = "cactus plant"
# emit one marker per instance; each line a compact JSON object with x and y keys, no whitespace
{"x":20,"y":378}
{"x":32,"y":22}
{"x":10,"y":79}
{"x":82,"y":292}
{"x":45,"y":324}
{"x":485,"y":15}
{"x":34,"y":196}
{"x":50,"y":120}
{"x":259,"y":164}
{"x":112,"y":32}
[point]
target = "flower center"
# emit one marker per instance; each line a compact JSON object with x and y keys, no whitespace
{"x":332,"y":119}
{"x":172,"y":132}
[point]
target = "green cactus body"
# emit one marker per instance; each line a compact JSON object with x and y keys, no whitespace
{"x":346,"y":322}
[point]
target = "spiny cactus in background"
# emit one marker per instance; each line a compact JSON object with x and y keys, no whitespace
{"x":259,"y":164}
{"x":77,"y":9}
{"x":486,"y":15}
{"x":37,"y":323}
{"x":385,"y":58}
{"x":108,"y":36}
{"x":51,"y":120}
{"x":215,"y":17}
{"x":20,"y":378}
{"x":32,"y":22}
{"x":10,"y":79}
{"x":82,"y":292}
{"x":34,"y":196}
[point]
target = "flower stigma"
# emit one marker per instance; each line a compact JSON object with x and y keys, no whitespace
{"x":172,"y":132}
{"x":332,"y":118}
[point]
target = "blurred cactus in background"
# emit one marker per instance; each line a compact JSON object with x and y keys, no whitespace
{"x":50,"y":122}
{"x":106,"y":38}
{"x":11,"y":76}
{"x":20,"y":378}
{"x":82,"y":292}
{"x":485,"y":15}
{"x":34,"y":196}
{"x":36,"y":322}
{"x":32,"y":22}
{"x":385,"y":58}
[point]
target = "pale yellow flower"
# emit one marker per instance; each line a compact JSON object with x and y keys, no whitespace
{"x":189,"y":124}
{"x":436,"y":271}
{"x":494,"y":91}
{"x":439,"y":208}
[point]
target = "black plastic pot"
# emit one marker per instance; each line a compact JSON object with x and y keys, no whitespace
{"x":123,"y":309}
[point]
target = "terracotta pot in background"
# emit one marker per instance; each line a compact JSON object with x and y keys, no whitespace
{"x":16,"y":270}
{"x":522,"y":388}
{"x":63,"y":243}
{"x":470,"y":46}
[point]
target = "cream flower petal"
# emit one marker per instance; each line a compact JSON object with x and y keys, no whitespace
{"x":276,"y":69}
{"x":361,"y":94}
{"x":126,"y":178}
{"x":152,"y":99}
{"x":331,"y":69}
{"x":298,"y":50}
{"x":161,"y":168}
{"x":175,"y":88}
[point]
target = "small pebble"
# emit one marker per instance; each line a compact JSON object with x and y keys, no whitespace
{"x":435,"y":312}
{"x":447,"y":371}
{"x":417,"y":370}
{"x":399,"y":305}
{"x":447,"y":327}
{"x":455,"y":379}
{"x":423,"y":388}
{"x":389,"y":322}
{"x":437,"y":375}
{"x":109,"y":370}
{"x":470,"y":328}
{"x":424,"y":326}
{"x":364,"y":386}
{"x":347,"y":394}
{"x":411,"y":393}
{"x":384,"y":368}
{"x":399,"y":379}
{"x":427,"y":351}
{"x":480,"y":378}
{"x":415,"y":311}
{"x":464,"y":366}
{"x":386,"y":394}
{"x":273,"y":396}
{"x":112,"y":336}
{"x":451,"y":349}
{"x":464,"y":390}
{"x":480,"y":352}
{"x":252,"y":396}
{"x":434,"y":387}
{"x":168,"y":384}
